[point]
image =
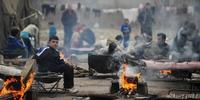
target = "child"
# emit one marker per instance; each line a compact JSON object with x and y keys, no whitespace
{"x":52,"y":29}
{"x":126,"y":30}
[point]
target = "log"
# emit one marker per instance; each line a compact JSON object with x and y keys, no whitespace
{"x":161,"y":65}
{"x":29,"y":67}
{"x":9,"y":71}
{"x":13,"y":71}
{"x":7,"y":97}
{"x":13,"y":60}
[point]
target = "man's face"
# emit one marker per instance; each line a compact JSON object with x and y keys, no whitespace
{"x":160,"y":40}
{"x":148,"y":7}
{"x":53,"y":43}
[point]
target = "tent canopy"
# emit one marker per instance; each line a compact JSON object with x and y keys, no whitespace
{"x":11,"y":14}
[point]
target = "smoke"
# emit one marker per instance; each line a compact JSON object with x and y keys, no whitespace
{"x":131,"y":71}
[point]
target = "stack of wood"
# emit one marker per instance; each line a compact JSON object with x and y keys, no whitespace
{"x":80,"y":72}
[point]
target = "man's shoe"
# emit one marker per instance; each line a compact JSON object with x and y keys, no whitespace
{"x":72,"y":90}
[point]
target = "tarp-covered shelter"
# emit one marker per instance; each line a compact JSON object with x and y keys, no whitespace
{"x":15,"y":13}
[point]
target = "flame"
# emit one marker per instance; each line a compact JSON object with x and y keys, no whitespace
{"x":19,"y":93}
{"x":5,"y":90}
{"x":124,"y":82}
{"x":166,"y":72}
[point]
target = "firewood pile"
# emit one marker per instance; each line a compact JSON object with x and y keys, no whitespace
{"x":80,"y":72}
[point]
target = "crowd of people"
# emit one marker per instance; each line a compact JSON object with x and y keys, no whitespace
{"x":185,"y":45}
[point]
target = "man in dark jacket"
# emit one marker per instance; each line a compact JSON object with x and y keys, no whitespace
{"x":145,"y":18}
{"x":14,"y":47}
{"x":69,"y":20}
{"x":183,"y":45}
{"x":49,"y":59}
{"x":159,"y":50}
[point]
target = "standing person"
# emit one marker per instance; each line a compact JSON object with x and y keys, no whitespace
{"x":145,"y":18}
{"x":126,"y":30}
{"x":52,"y":29}
{"x":69,"y":20}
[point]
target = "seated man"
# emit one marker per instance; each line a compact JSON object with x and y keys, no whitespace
{"x":159,"y":50}
{"x":115,"y":54}
{"x":111,"y":49}
{"x":50,"y":58}
{"x":14,"y":46}
{"x":141,"y":44}
{"x":181,"y":48}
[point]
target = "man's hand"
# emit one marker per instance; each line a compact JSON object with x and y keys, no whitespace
{"x":70,"y":63}
{"x":62,"y":56}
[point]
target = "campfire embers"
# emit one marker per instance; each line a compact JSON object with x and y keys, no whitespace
{"x":128,"y":84}
{"x":173,"y":74}
{"x":166,"y":72}
{"x":17,"y":86}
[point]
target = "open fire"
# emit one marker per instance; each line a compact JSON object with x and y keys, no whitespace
{"x":17,"y":87}
{"x":128,"y":85}
{"x":166,"y":72}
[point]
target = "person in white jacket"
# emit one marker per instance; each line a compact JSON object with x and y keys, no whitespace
{"x":26,"y":33}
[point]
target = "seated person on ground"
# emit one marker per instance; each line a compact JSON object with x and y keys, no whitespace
{"x":84,"y":35}
{"x":119,"y":40}
{"x":181,"y":47}
{"x":14,"y":46}
{"x":26,"y":33}
{"x":159,"y":50}
{"x":141,"y":44}
{"x":49,"y":59}
{"x":196,"y":44}
{"x":115,"y":54}
{"x":111,"y":49}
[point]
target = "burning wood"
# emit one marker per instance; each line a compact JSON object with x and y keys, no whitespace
{"x":18,"y":86}
{"x":166,"y":72}
{"x":9,"y":71}
{"x":128,"y":85}
{"x":172,"y":65}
